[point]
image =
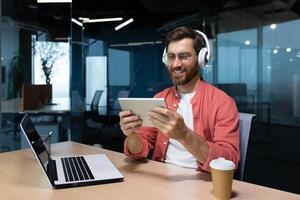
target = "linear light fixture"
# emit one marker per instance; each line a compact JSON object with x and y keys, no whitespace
{"x":88,"y":20}
{"x":84,"y":19}
{"x":136,"y":43}
{"x":77,"y":22}
{"x":124,"y":24}
{"x":54,"y":1}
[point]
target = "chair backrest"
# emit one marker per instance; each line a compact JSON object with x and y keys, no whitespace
{"x":77,"y":104}
{"x":95,"y":101}
{"x":245,"y":121}
{"x":116,"y":106}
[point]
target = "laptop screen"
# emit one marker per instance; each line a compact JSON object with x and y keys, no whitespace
{"x":35,"y":141}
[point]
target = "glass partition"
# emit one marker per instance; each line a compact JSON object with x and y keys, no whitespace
{"x":35,"y":49}
{"x":281,"y":72}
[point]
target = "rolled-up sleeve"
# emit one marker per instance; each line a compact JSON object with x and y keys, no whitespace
{"x":147,"y":136}
{"x":226,"y":136}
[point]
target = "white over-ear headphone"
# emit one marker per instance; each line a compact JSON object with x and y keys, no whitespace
{"x":203,"y":55}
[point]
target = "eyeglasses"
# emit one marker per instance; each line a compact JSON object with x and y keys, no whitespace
{"x":183,"y":57}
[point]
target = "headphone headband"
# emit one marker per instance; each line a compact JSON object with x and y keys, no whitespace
{"x":203,"y":55}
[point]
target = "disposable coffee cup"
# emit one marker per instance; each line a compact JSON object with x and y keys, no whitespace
{"x":222,"y":174}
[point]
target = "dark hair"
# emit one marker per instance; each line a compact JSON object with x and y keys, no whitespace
{"x":182,"y":32}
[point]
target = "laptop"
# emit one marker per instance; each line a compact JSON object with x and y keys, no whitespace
{"x":69,"y":171}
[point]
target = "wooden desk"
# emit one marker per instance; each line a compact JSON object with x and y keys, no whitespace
{"x":22,"y":178}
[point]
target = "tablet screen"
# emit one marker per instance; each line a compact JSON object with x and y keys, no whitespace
{"x":141,"y":106}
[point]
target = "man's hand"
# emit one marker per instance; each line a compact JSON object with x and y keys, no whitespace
{"x":172,"y":124}
{"x":169,"y":122}
{"x":129,"y":122}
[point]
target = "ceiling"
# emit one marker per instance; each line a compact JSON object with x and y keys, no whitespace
{"x":152,"y":18}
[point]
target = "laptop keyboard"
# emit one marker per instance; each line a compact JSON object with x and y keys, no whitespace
{"x":76,"y":169}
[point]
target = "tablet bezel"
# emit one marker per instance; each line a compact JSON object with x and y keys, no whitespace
{"x":141,"y":106}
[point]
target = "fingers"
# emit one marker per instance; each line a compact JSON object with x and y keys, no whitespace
{"x":124,"y":113}
{"x":163,"y":111}
{"x":158,"y":116}
{"x":132,"y":125}
{"x":125,"y":119}
{"x":130,"y":128}
{"x":129,"y":122}
{"x":160,"y":125}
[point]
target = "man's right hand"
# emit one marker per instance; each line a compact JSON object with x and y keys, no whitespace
{"x":129,"y":122}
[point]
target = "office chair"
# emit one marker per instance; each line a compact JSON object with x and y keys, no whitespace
{"x":112,"y":117}
{"x":92,"y":117}
{"x":104,"y":131}
{"x":116,"y":108}
{"x":93,"y":114}
{"x":94,"y":122}
{"x":245,"y":121}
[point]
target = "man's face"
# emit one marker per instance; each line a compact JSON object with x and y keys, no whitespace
{"x":182,"y":61}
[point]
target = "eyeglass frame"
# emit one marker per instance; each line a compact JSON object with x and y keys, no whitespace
{"x":183,"y":57}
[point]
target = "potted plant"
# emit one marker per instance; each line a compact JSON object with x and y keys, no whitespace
{"x":48,"y":52}
{"x":16,"y":76}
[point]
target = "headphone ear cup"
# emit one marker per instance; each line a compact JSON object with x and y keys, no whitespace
{"x":164,"y":57}
{"x":202,"y":60}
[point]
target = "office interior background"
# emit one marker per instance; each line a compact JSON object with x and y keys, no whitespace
{"x":255,"y":59}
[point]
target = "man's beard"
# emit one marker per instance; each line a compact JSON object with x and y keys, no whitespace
{"x":188,"y":77}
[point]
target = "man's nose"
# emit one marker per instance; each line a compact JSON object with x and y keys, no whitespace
{"x":177,"y":61}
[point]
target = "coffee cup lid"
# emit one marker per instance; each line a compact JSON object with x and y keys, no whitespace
{"x":222,"y":164}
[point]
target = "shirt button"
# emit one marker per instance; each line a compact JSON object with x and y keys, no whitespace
{"x":165,"y":143}
{"x":174,"y":105}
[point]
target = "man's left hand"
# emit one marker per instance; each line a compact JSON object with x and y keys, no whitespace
{"x":169,"y":122}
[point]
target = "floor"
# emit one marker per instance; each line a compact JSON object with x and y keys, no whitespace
{"x":273,"y":157}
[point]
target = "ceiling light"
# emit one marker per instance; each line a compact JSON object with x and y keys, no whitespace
{"x":88,"y":20}
{"x":62,"y":38}
{"x":104,"y":20}
{"x":136,"y":43}
{"x":123,"y":24}
{"x":247,"y":42}
{"x":140,"y":43}
{"x":84,"y":19}
{"x":288,"y":49}
{"x":273,"y":26}
{"x":54,"y":1}
{"x":275,"y":51}
{"x":77,"y":22}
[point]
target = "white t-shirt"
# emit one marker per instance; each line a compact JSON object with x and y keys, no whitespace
{"x":176,"y":153}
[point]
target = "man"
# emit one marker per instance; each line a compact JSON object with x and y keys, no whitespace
{"x":201,"y":121}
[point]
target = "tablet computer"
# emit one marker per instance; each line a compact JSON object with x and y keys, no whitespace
{"x":141,"y":106}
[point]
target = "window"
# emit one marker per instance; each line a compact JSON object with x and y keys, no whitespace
{"x":52,"y":58}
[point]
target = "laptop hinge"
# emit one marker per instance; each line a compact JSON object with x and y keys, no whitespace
{"x":51,"y":170}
